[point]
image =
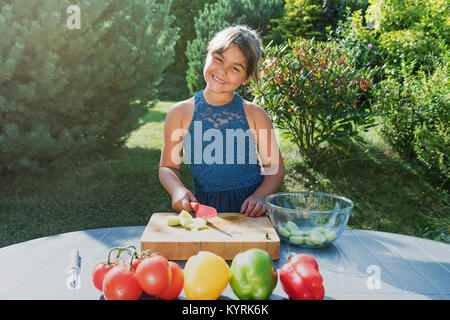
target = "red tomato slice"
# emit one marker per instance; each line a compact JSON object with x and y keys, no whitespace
{"x":176,"y":284}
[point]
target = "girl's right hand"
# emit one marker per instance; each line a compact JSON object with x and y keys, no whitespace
{"x":181,"y":200}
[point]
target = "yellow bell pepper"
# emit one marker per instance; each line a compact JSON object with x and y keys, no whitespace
{"x":205,"y":276}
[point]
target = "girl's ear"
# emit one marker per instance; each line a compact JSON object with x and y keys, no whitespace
{"x":247,"y":80}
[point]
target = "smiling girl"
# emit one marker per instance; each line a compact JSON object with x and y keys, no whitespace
{"x":219,"y":114}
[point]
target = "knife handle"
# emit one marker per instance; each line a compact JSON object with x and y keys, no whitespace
{"x":194,"y":206}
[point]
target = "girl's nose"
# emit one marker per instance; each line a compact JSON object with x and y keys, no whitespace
{"x":221,"y":72}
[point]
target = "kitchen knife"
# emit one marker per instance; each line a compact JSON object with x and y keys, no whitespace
{"x":74,"y":270}
{"x":202,"y":211}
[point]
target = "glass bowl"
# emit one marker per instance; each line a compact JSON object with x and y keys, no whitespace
{"x":308,"y":219}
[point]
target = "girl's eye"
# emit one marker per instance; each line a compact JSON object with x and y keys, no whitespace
{"x":218,"y":59}
{"x":236,"y":69}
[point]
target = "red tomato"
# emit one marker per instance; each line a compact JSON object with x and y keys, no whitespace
{"x":176,"y":284}
{"x":99,"y":272}
{"x":154,"y":274}
{"x":121,"y":284}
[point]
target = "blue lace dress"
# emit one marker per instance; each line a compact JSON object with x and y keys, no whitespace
{"x":221,"y":152}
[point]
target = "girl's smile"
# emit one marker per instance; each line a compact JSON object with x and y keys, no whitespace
{"x":224,"y":72}
{"x":218,"y":80}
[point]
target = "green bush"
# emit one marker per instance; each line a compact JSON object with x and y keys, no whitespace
{"x":432,"y":138}
{"x":391,"y":15}
{"x":174,"y":86}
{"x":411,"y":46}
{"x":428,"y":15}
{"x":302,"y":18}
{"x":410,"y":30}
{"x":394,"y":98}
{"x":335,"y":10}
{"x":310,"y":18}
{"x":66,"y":93}
{"x":433,"y":150}
{"x":416,"y":115}
{"x":309,"y":89}
{"x":217,"y":16}
{"x":362,"y":43}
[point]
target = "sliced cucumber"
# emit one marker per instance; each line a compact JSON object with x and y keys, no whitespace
{"x":297,"y":233}
{"x":297,"y":239}
{"x":317,"y":237}
{"x":284,"y":232}
{"x":291,"y":226}
{"x":330,"y":235}
{"x":309,"y":242}
{"x":173,"y":220}
{"x":185,"y":214}
{"x":197,"y":223}
{"x":185,"y":222}
{"x":320,"y":229}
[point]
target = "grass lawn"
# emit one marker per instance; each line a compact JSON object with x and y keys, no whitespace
{"x":123,"y":189}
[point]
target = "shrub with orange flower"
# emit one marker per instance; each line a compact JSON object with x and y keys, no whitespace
{"x":310,"y":90}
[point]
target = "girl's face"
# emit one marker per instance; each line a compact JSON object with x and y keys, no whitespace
{"x":226,"y":71}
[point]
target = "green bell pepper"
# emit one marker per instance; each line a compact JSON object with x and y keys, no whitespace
{"x":252,"y":275}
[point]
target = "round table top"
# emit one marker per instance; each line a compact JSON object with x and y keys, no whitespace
{"x":359,"y":265}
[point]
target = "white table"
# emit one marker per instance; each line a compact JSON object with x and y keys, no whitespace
{"x":359,"y":265}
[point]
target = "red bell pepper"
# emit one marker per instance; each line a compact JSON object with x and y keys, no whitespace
{"x":300,"y":278}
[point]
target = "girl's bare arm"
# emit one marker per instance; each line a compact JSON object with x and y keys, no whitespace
{"x":171,"y":159}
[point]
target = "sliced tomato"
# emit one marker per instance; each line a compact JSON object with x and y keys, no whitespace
{"x":176,"y":283}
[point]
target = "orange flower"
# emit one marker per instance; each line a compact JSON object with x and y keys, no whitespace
{"x":362,"y":85}
{"x":261,"y":75}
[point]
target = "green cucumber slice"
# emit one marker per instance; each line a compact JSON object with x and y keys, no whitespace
{"x":198,"y":223}
{"x":297,"y":233}
{"x":320,"y":229}
{"x":173,"y":220}
{"x":330,"y":235}
{"x":185,"y":214}
{"x":297,"y":239}
{"x":291,"y":226}
{"x":318,"y":237}
{"x":309,"y":242}
{"x":185,"y":222}
{"x":284,"y":232}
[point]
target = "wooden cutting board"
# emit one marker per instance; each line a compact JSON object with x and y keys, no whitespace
{"x":227,"y":235}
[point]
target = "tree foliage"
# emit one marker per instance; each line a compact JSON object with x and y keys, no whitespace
{"x":66,"y":93}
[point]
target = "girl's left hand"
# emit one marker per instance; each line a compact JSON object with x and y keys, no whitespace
{"x":254,"y":206}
